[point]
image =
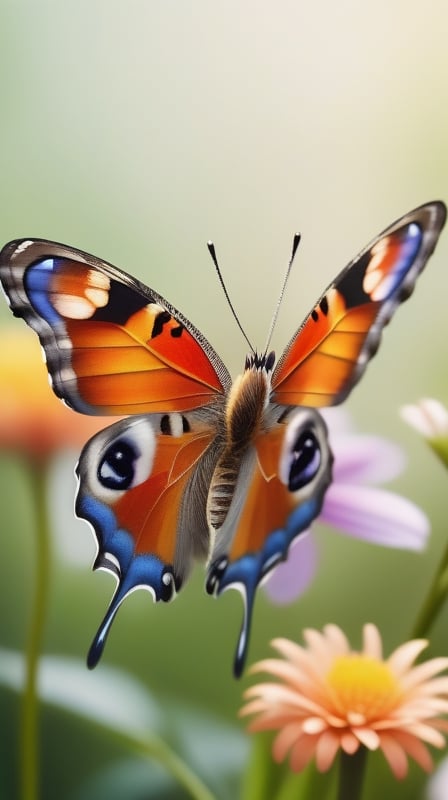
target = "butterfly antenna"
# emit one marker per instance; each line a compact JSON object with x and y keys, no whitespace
{"x":295,"y":245}
{"x":211,"y":250}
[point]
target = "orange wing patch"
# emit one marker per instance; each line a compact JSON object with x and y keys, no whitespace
{"x":151,"y":510}
{"x":319,"y":364}
{"x":268,"y":501}
{"x":129,"y":354}
{"x":267,"y":506}
{"x":119,"y":374}
{"x":328,"y":354}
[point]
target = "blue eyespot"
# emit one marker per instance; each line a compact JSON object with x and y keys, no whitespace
{"x":305,"y":461}
{"x":116,"y":469}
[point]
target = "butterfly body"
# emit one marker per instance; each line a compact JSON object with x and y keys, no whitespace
{"x":244,"y":419}
{"x":202,"y":468}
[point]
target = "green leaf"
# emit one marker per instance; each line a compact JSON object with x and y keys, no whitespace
{"x":111,"y":699}
{"x":108,"y":697}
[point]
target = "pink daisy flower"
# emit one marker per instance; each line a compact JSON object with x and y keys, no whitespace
{"x":330,"y":698}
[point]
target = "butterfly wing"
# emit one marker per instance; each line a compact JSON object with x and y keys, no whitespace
{"x":112,"y":345}
{"x":330,"y":351}
{"x":143,"y":486}
{"x":280,"y":490}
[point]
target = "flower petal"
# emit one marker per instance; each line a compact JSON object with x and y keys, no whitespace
{"x":326,"y":749}
{"x":427,"y":733}
{"x":323,"y":647}
{"x":404,"y":656}
{"x":366,"y":459}
{"x":305,"y":680}
{"x":285,"y":740}
{"x":436,"y":686}
{"x":422,"y":672}
{"x":302,"y":752}
{"x":368,"y":738}
{"x":376,"y":516}
{"x":349,"y":743}
{"x":416,"y":749}
{"x":429,"y":417}
{"x":288,"y":649}
{"x":337,"y":640}
{"x":291,"y":578}
{"x":372,"y":645}
{"x":395,"y":755}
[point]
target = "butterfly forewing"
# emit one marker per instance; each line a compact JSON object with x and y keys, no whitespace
{"x":329,"y":352}
{"x":112,"y":345}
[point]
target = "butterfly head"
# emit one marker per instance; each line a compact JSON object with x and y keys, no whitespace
{"x":264,"y":362}
{"x":248,"y":399}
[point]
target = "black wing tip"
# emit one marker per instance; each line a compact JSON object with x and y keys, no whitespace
{"x":94,"y":654}
{"x":239,"y":663}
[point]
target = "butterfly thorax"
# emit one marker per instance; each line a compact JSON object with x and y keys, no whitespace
{"x":244,"y":419}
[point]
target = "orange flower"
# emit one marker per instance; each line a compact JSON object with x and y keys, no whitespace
{"x":32,"y":419}
{"x":330,"y":697}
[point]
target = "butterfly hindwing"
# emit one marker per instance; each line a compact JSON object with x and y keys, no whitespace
{"x":136,"y":481}
{"x":329,"y":352}
{"x":112,"y":345}
{"x":279,"y":492}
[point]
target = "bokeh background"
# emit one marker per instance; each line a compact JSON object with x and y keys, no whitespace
{"x":137,"y":131}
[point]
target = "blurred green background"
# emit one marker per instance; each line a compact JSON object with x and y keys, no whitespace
{"x":137,"y":131}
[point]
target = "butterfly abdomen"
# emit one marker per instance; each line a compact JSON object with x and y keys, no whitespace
{"x":244,"y":414}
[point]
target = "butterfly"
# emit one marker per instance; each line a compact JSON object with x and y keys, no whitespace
{"x":202,"y":468}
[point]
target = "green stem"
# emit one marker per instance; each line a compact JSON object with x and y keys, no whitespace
{"x":28,"y":732}
{"x":262,"y":776}
{"x":351,"y":774}
{"x":434,"y":600}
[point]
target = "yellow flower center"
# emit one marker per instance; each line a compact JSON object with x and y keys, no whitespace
{"x":362,"y":687}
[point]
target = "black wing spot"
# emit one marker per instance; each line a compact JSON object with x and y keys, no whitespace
{"x":350,"y":285}
{"x":323,"y":305}
{"x":116,"y":469}
{"x":161,"y":319}
{"x":123,"y":302}
{"x":176,"y":333}
{"x":165,"y":425}
{"x":306,"y":459}
{"x":314,"y":315}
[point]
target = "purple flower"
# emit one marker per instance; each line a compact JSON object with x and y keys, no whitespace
{"x":353,"y":506}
